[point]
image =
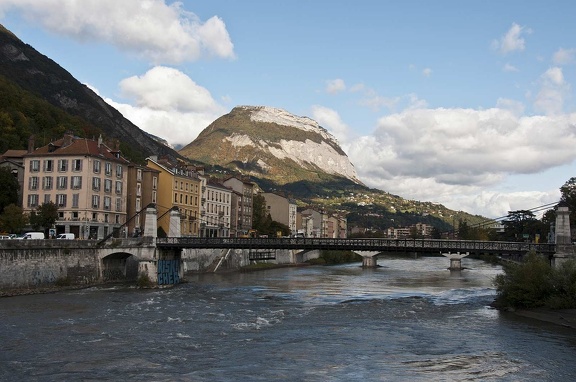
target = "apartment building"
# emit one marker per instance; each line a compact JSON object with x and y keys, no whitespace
{"x":142,"y":191}
{"x":244,"y":203}
{"x":281,"y":209}
{"x":180,"y":187}
{"x":217,"y":211}
{"x":86,"y":179}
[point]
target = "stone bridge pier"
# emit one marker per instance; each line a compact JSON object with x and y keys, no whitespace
{"x":369,"y":258}
{"x":455,"y":260}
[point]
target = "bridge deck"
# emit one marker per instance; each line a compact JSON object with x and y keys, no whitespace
{"x":374,"y":244}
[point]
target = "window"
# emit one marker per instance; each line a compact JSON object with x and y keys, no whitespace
{"x":119,"y":187}
{"x":62,"y":182}
{"x":33,"y":183}
{"x":75,"y":202}
{"x":33,"y":200}
{"x":76,"y":182}
{"x":138,"y":189}
{"x":139,"y":175}
{"x":95,"y":201}
{"x":96,"y":184}
{"x":138,"y":204}
{"x":61,"y":200}
{"x":47,"y":183}
{"x":46,"y":198}
{"x":155,"y":182}
{"x":107,"y":185}
{"x":118,"y":204}
{"x":96,"y":167}
{"x":153,"y":196}
{"x":34,"y":165}
{"x":77,"y":165}
{"x":105,"y":218}
{"x":62,"y":165}
{"x":48,"y":165}
{"x":119,"y":171}
{"x":108,"y":168}
{"x":107,"y":202}
{"x":75,"y":215}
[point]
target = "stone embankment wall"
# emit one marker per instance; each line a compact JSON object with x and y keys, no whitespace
{"x":35,"y":263}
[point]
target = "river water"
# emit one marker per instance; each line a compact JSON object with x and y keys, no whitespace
{"x":408,"y":320}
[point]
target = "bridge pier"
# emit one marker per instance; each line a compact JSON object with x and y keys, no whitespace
{"x":455,"y":260}
{"x":564,"y":247}
{"x":368,"y":258}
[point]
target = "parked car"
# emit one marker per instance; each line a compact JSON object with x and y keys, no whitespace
{"x":65,"y":236}
{"x":32,"y":236}
{"x":5,"y":237}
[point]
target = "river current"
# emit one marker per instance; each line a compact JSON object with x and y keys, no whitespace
{"x":408,"y":320}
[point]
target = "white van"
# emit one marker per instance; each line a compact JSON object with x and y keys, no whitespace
{"x":32,"y":236}
{"x":65,"y":236}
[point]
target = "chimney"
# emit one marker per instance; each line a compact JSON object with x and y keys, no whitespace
{"x":31,"y":142}
{"x":99,"y":140}
{"x":68,"y":138}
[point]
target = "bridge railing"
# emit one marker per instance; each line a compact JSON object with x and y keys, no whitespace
{"x":359,"y":244}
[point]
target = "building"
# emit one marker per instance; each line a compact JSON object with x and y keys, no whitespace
{"x":314,"y":223}
{"x":86,"y":179}
{"x":244,"y":203}
{"x":13,"y":160}
{"x":218,"y":206}
{"x":281,"y":210}
{"x":179,"y":187}
{"x":142,"y":191}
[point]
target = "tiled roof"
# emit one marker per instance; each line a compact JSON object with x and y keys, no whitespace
{"x":14,"y":154}
{"x":78,"y":146}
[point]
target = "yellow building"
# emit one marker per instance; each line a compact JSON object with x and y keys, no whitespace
{"x":179,"y":186}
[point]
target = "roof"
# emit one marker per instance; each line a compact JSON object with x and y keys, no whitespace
{"x":78,"y":146}
{"x":14,"y":154}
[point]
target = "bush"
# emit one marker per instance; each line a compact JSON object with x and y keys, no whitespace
{"x":144,"y":281}
{"x":534,"y":283}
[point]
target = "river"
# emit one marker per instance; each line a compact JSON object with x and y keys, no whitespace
{"x":408,"y":320}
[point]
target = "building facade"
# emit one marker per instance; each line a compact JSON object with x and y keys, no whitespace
{"x":86,"y":179}
{"x":179,"y":187}
{"x":244,"y":203}
{"x":142,"y":191}
{"x":218,"y":208}
{"x":281,"y":210}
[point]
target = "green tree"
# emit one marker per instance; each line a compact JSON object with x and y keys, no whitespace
{"x":13,"y":219}
{"x":568,"y":197}
{"x":521,"y":225}
{"x":10,"y":187}
{"x":44,"y":217}
{"x":259,"y":214}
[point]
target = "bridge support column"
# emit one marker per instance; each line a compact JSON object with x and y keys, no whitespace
{"x":564,"y":247}
{"x":174,"y":230}
{"x":455,"y":260}
{"x":368,"y":258}
{"x":148,"y":268}
{"x":150,"y":225}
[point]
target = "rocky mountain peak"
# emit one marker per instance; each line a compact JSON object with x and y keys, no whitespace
{"x":272,"y":143}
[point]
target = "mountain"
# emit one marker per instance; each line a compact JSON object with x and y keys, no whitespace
{"x":55,"y":100}
{"x":270,"y":143}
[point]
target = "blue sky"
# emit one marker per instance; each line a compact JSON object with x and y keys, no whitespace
{"x":469,"y":104}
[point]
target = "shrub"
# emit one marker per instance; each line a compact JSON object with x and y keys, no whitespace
{"x":144,"y":281}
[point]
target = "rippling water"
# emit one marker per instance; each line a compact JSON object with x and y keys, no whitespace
{"x":410,"y":319}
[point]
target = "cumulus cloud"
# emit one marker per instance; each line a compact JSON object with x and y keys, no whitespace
{"x":512,"y":40}
{"x":509,"y":68}
{"x":169,"y":104}
{"x":434,"y":154}
{"x":564,"y":56}
{"x":152,"y":29}
{"x":553,"y":91}
{"x":335,"y":86}
{"x":331,"y":121}
{"x":427,"y":72}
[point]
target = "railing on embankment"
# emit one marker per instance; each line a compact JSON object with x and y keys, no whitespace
{"x":371,"y":244}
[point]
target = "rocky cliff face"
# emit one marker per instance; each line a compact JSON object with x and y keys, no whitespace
{"x":271,"y":143}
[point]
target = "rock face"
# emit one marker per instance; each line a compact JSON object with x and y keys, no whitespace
{"x":271,"y":143}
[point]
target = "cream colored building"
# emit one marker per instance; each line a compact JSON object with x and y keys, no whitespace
{"x":244,"y":203}
{"x":86,"y":180}
{"x":218,"y":208}
{"x":281,"y":210}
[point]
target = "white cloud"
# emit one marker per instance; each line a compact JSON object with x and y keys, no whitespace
{"x":168,"y":104}
{"x":553,"y":91}
{"x":564,"y":56}
{"x":152,"y":29}
{"x":509,"y":68}
{"x":436,"y":154}
{"x":511,"y":41}
{"x":427,"y":72}
{"x":335,"y":86}
{"x":331,"y":121}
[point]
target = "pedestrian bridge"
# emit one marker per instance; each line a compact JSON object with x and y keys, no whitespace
{"x":360,"y":244}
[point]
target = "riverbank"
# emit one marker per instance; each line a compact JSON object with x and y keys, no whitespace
{"x":562,"y":317}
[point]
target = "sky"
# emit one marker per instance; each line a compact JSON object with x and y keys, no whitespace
{"x":465,"y":103}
